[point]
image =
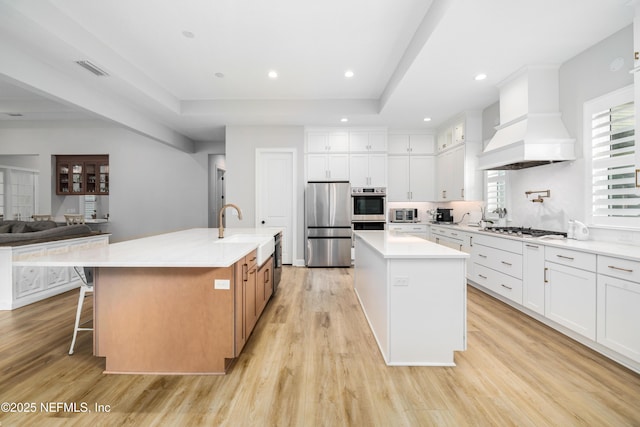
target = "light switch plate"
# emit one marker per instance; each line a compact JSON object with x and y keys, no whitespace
{"x":221,"y":284}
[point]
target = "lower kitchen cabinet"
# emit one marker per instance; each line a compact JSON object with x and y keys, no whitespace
{"x":497,"y":266}
{"x":533,"y":285}
{"x":419,"y":230}
{"x":618,"y":305}
{"x":264,"y":287}
{"x":570,"y":294}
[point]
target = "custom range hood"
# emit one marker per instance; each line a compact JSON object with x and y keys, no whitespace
{"x":531,"y":132}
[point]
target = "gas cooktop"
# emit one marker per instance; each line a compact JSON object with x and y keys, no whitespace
{"x":524,"y":232}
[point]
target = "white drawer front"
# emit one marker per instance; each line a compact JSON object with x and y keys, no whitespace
{"x":500,"y":283}
{"x":505,"y":262}
{"x":620,"y":268}
{"x":582,"y":260}
{"x":510,"y":245}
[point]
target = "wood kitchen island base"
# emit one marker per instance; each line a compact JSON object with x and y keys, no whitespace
{"x":164,"y":320}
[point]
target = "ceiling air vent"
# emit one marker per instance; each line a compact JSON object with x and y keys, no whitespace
{"x":87,"y":65}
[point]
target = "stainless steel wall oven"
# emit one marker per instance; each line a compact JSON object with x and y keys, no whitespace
{"x":368,"y":204}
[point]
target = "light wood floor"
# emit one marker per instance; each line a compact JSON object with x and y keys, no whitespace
{"x":312,"y":361}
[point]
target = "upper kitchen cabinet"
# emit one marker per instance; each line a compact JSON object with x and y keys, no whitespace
{"x":328,"y":167}
{"x":457,"y":173}
{"x":411,"y":144}
{"x":411,"y":178}
{"x":328,"y":155}
{"x":368,"y":170}
{"x":327,"y":141}
{"x":368,"y":141}
{"x":81,"y":175}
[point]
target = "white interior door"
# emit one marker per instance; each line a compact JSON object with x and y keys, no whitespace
{"x":275,"y":195}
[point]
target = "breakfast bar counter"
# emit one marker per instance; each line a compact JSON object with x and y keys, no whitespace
{"x":413,"y":294}
{"x":177,"y":303}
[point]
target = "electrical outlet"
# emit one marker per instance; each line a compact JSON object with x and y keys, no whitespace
{"x":221,"y":284}
{"x":401,"y":281}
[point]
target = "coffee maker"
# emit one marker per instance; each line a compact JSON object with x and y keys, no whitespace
{"x":444,"y":215}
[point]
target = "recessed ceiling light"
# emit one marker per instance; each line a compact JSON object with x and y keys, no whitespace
{"x":188,"y":34}
{"x":273,"y":74}
{"x":219,"y":75}
{"x":480,"y":76}
{"x":348,"y":74}
{"x":427,"y":119}
{"x":344,"y":120}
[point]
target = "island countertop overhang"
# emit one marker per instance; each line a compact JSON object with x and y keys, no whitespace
{"x":196,"y":247}
{"x":392,"y":244}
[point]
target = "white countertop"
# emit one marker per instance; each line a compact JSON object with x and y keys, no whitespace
{"x":392,"y":244}
{"x":616,"y":249}
{"x":196,"y":247}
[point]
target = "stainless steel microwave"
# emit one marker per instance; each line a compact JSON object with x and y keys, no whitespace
{"x":404,"y":215}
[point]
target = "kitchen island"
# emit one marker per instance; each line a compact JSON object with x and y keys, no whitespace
{"x":176,"y":303}
{"x":413,"y":294}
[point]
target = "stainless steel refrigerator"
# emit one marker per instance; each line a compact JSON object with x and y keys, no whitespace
{"x":328,"y":224}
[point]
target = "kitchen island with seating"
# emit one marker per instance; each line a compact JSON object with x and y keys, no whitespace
{"x":413,"y":294}
{"x":176,"y":303}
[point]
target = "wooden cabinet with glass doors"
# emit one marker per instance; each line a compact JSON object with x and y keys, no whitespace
{"x":81,"y":175}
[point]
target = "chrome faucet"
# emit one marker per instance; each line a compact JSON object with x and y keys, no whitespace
{"x":220,"y":226}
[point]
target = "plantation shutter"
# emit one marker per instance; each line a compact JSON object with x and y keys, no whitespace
{"x":614,"y":194}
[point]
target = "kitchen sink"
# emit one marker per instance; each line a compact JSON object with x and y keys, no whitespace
{"x":265,"y":242}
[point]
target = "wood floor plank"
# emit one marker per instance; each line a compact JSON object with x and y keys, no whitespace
{"x":313,"y":361}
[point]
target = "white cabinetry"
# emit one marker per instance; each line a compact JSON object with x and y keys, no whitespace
{"x":497,"y":265}
{"x":328,"y":158}
{"x":22,"y":285}
{"x":457,"y":176}
{"x":454,"y":239}
{"x":368,"y":170}
{"x":367,"y":141}
{"x":410,"y":178}
{"x":420,"y":230}
{"x":323,"y":142}
{"x":533,"y":277}
{"x":570,"y":294}
{"x":618,"y":305}
{"x":327,"y":167}
{"x":410,"y":144}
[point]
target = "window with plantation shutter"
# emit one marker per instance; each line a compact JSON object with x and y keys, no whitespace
{"x":610,"y":141}
{"x":496,"y":190}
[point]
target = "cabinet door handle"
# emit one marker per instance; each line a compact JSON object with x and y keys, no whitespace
{"x":462,"y":193}
{"x":506,"y":263}
{"x":266,"y":276}
{"x":483,"y":277}
{"x":470,"y":241}
{"x":505,"y":286}
{"x":245,"y":270}
{"x":545,"y":275}
{"x":565,"y":257}
{"x":628,"y":270}
{"x":531,"y":246}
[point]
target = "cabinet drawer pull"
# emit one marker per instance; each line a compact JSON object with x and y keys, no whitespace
{"x":482,"y":256}
{"x":483,"y":277}
{"x":506,"y":263}
{"x":531,"y":246}
{"x":252,"y":259}
{"x":454,"y":234}
{"x":628,"y":270}
{"x":565,"y":257}
{"x":505,"y":286}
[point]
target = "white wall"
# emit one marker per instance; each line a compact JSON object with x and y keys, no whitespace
{"x":241,"y":144}
{"x":153,"y":188}
{"x":582,"y":78}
